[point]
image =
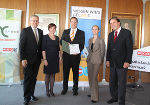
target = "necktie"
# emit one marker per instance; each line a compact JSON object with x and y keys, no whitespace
{"x":36,"y":37}
{"x":115,"y":36}
{"x":72,"y":35}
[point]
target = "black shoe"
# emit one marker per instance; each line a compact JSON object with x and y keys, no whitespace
{"x":26,"y":103}
{"x":111,"y":101}
{"x":93,"y":101}
{"x":47,"y":94}
{"x":33,"y":98}
{"x":63,"y":92}
{"x":89,"y":95}
{"x":52,"y":94}
{"x":75,"y":93}
{"x":121,"y":103}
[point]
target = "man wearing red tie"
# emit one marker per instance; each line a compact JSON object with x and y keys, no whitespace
{"x":72,"y":36}
{"x":118,"y":58}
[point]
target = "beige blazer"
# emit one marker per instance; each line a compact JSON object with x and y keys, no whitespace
{"x":97,"y":55}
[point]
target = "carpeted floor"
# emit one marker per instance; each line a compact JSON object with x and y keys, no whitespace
{"x":13,"y":95}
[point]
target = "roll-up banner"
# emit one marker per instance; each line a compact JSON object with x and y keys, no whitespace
{"x":87,"y":17}
{"x":10,"y":27}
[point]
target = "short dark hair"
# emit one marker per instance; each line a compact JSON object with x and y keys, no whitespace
{"x":74,"y":18}
{"x":116,"y":18}
{"x":51,"y":25}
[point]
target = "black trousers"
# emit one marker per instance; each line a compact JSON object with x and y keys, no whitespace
{"x":71,"y":61}
{"x":117,"y":84}
{"x":30,"y":75}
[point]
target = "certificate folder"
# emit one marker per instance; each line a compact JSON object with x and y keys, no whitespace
{"x":70,"y":48}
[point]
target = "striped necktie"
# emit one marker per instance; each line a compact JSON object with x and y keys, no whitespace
{"x":72,"y":35}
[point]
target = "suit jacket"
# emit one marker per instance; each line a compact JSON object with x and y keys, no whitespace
{"x":120,"y":51}
{"x":29,"y":49}
{"x":78,"y":39}
{"x":97,"y":55}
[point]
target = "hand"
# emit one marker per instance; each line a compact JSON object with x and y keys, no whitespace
{"x":45,"y":62}
{"x":24,"y":63}
{"x":126,"y":65}
{"x":60,"y":60}
{"x":107,"y":64}
{"x":75,"y":54}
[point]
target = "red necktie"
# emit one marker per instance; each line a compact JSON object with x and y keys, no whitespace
{"x":115,"y":36}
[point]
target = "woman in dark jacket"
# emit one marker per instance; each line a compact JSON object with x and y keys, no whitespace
{"x":51,"y":57}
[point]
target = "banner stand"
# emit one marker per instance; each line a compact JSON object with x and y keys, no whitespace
{"x":134,"y":85}
{"x":10,"y":28}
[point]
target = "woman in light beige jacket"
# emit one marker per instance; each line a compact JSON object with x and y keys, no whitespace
{"x":94,"y":60}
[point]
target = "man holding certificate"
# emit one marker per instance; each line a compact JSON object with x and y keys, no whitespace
{"x":72,"y":42}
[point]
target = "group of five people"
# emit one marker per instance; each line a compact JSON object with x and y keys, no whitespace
{"x":35,"y":46}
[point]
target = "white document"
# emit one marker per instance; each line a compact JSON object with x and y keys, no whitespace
{"x":74,"y":49}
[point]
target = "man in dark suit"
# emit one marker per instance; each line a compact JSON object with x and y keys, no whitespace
{"x":72,"y":36}
{"x":118,"y":58}
{"x":30,"y":55}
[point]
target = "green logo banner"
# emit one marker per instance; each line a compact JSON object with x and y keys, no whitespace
{"x":10,"y":27}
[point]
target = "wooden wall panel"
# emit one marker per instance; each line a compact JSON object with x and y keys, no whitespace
{"x":146,"y":76}
{"x":147,"y":25}
{"x":98,"y":4}
{"x":15,"y":4}
{"x":49,"y":6}
{"x":125,"y":6}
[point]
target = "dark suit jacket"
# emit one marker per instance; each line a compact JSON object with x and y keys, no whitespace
{"x":120,"y":51}
{"x":79,"y":38}
{"x":29,"y":49}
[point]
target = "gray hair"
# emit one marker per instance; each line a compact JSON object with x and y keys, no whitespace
{"x":33,"y":16}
